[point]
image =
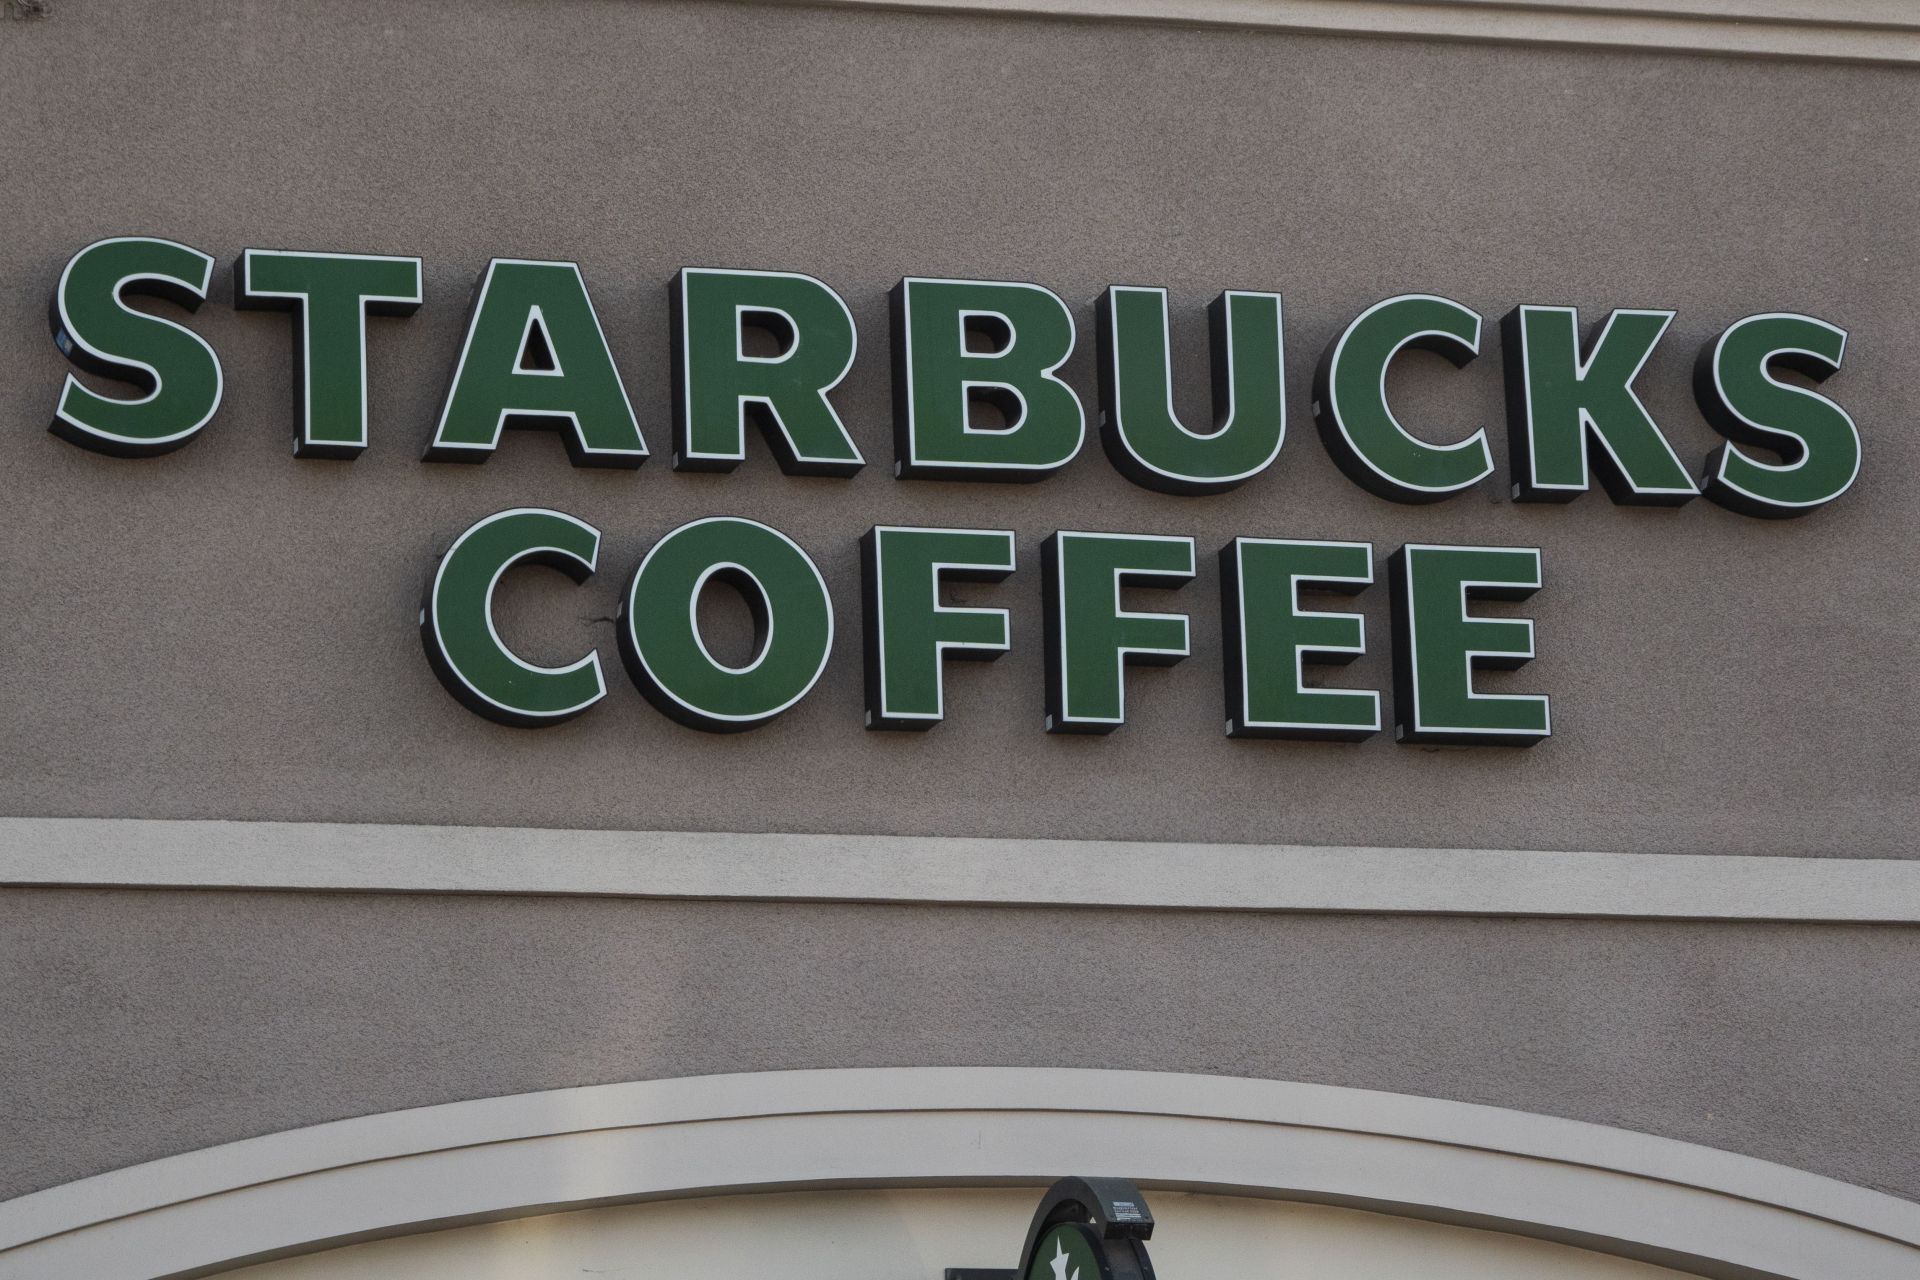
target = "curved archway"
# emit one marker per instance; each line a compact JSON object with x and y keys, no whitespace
{"x":1692,"y":1208}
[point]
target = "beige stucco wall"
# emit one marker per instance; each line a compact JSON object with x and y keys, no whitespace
{"x":226,"y":632}
{"x":143,"y":1024}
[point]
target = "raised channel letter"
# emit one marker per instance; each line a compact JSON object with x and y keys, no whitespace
{"x":958,"y":342}
{"x":1438,"y":645}
{"x":718,"y":386}
{"x":1091,"y":638}
{"x":1139,"y":429}
{"x":535,"y":356}
{"x":330,"y":295}
{"x":1270,"y":639}
{"x":909,"y":633}
{"x":1566,"y":407}
{"x":1818,"y":444}
{"x":1350,"y":400}
{"x":95,"y":329}
{"x":659,"y":625}
{"x":456,"y":622}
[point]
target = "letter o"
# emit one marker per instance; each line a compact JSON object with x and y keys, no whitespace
{"x":660,"y":641}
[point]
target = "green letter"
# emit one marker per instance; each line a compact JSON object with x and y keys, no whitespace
{"x":456,"y":624}
{"x":331,"y":295}
{"x":660,"y":633}
{"x":1560,"y":402}
{"x":1744,"y":401}
{"x":1090,"y":638}
{"x":1269,"y":639}
{"x":716,"y":384}
{"x":1437,"y":646}
{"x":938,"y":375}
{"x":95,"y":328}
{"x":1145,"y":438}
{"x":909,"y":632}
{"x":535,"y":356}
{"x":1350,"y":401}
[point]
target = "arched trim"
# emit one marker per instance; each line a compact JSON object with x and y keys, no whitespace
{"x":1866,"y":31}
{"x":1685,"y":1206}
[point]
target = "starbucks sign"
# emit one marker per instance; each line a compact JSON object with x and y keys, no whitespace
{"x":977,"y":398}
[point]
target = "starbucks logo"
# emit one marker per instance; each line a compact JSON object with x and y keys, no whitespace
{"x":1061,"y":1261}
{"x":1071,"y":1251}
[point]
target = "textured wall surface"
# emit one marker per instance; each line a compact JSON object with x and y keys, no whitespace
{"x":148,"y":1023}
{"x":226,"y":632}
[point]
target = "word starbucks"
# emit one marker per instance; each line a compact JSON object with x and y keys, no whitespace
{"x":769,"y":347}
{"x":535,"y":356}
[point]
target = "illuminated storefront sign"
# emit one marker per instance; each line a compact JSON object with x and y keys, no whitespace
{"x":977,"y":396}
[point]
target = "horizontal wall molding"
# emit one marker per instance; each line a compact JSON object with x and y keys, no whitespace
{"x":365,"y":857}
{"x":1859,"y":31}
{"x":1704,"y":1211}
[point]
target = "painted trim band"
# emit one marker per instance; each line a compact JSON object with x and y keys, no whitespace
{"x":365,"y":857}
